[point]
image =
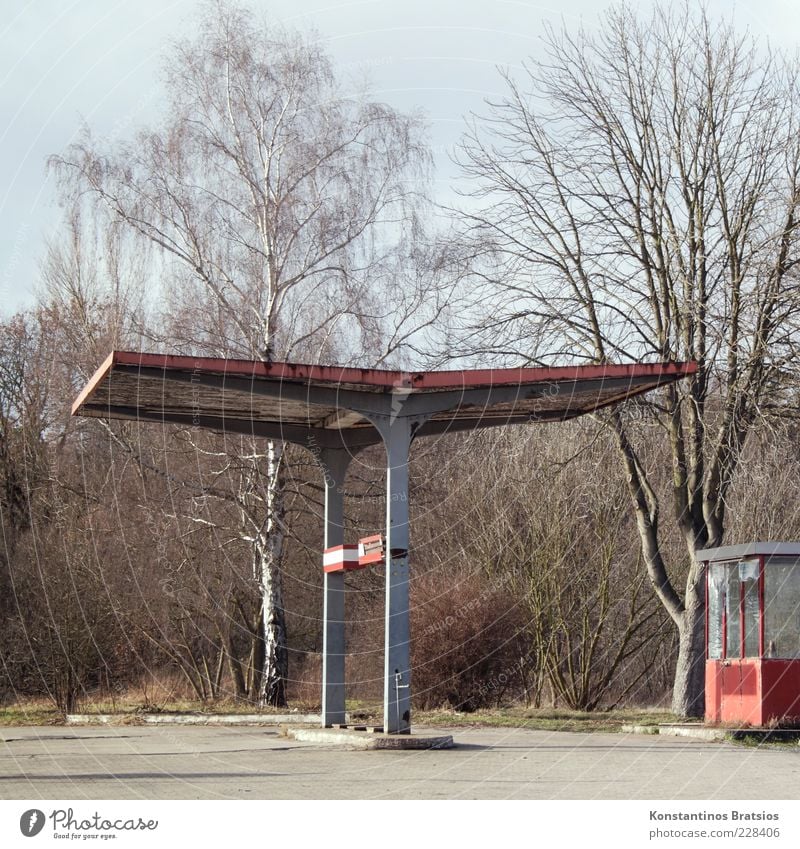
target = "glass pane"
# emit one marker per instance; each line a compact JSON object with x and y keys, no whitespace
{"x":748,"y":570}
{"x":751,"y":618}
{"x":734,"y":648}
{"x":782,"y":607}
{"x":716,"y":602}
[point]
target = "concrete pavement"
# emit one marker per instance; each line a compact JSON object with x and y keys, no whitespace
{"x":133,"y":762}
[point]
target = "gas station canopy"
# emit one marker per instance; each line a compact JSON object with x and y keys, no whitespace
{"x":335,"y":405}
{"x":335,"y":411}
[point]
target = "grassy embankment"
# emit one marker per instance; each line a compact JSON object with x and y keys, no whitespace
{"x":549,"y":719}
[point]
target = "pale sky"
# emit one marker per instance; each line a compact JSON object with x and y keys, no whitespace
{"x":63,"y":61}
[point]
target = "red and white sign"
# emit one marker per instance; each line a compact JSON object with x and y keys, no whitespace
{"x":340,"y":558}
{"x":371,"y":550}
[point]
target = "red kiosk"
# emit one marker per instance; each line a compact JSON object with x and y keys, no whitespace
{"x":753,"y":633}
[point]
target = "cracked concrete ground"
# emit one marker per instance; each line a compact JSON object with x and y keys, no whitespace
{"x":487,"y":763}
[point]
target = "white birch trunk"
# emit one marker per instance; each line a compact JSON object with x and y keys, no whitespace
{"x":267,"y":566}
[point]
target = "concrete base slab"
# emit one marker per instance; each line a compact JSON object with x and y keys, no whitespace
{"x":350,"y":738}
{"x":679,"y":729}
{"x":639,"y":729}
{"x":691,"y":729}
{"x":715,"y":732}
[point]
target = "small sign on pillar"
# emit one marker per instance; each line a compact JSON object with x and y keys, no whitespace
{"x":371,"y":550}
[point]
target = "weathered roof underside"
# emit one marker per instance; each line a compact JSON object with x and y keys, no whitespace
{"x":332,"y":405}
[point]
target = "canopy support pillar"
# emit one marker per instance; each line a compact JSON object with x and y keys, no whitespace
{"x":334,"y":464}
{"x":397,"y":432}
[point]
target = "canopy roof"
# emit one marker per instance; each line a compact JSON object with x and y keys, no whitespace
{"x":333,"y":406}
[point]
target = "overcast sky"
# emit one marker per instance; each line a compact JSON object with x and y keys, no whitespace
{"x":65,"y":61}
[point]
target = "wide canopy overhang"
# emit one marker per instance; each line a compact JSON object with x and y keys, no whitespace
{"x":331,"y":408}
{"x":334,"y":406}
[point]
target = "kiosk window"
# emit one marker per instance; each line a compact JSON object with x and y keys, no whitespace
{"x":733,"y":647}
{"x":782,"y":607}
{"x":748,"y":575}
{"x":716,"y":603}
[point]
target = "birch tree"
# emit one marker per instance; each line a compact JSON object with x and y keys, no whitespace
{"x":634,"y":197}
{"x":276,"y":205}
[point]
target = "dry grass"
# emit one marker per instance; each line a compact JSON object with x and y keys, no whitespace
{"x":154,"y":694}
{"x":545,"y":719}
{"x":129,"y":706}
{"x":30,"y":713}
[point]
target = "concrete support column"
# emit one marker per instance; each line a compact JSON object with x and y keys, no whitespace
{"x":397,"y":657}
{"x":334,"y":463}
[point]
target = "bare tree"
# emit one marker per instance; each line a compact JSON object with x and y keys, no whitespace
{"x":556,"y":537}
{"x":277,"y":206}
{"x":58,"y":625}
{"x":635,"y":197}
